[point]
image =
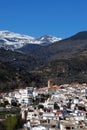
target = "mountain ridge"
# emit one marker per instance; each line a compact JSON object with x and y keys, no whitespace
{"x":12,"y":40}
{"x":64,"y":61}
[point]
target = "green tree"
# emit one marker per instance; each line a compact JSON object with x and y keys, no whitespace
{"x":11,"y":123}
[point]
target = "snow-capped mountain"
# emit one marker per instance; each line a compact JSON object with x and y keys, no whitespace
{"x":48,"y":39}
{"x":11,"y":40}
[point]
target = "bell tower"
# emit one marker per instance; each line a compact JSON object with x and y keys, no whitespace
{"x":50,"y":84}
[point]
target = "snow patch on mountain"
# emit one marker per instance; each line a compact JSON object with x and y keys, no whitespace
{"x":13,"y":40}
{"x":48,"y":39}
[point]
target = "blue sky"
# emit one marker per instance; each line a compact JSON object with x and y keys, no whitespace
{"x":61,"y":18}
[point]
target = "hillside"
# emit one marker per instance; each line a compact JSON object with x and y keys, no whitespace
{"x":14,"y":70}
{"x":65,"y":70}
{"x":64,"y":61}
{"x":17,"y":59}
{"x":13,"y":78}
{"x":62,"y":49}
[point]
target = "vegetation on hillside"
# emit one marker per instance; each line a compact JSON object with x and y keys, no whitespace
{"x":64,"y":62}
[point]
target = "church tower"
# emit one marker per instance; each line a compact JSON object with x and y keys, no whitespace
{"x":50,"y":84}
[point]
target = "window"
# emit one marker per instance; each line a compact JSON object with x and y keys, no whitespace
{"x":67,"y":128}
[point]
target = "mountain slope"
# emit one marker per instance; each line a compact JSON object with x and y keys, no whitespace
{"x":64,"y":62}
{"x":10,"y":40}
{"x":15,"y":70}
{"x":12,"y":78}
{"x":46,"y":40}
{"x":62,"y":49}
{"x":79,"y":36}
{"x":64,"y":70}
{"x":19,"y":60}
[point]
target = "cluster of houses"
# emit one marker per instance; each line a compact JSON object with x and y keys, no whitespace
{"x":65,"y":109}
